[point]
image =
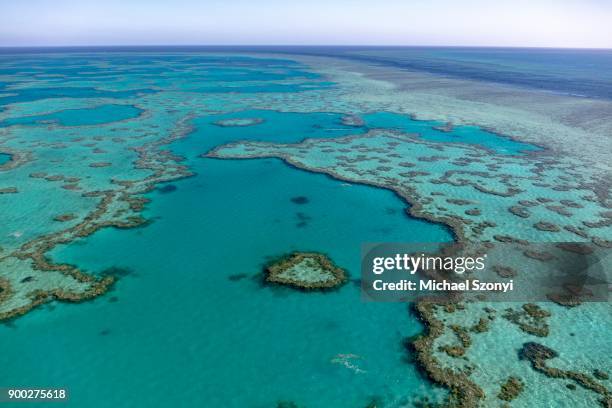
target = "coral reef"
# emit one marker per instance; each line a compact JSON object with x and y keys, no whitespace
{"x":511,"y":389}
{"x":9,"y":190}
{"x":306,"y":270}
{"x":238,"y":122}
{"x":555,"y":194}
{"x":65,"y":217}
{"x":531,"y":320}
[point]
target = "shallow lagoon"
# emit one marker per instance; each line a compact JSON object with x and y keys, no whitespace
{"x":193,"y":319}
{"x":194,"y":294}
{"x":79,"y":117}
{"x":294,"y":127}
{"x":430,"y":130}
{"x":273,"y":126}
{"x":204,"y":252}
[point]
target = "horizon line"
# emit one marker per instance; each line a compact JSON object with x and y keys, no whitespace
{"x":300,"y":45}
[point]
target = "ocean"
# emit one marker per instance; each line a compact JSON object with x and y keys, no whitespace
{"x":190,"y":321}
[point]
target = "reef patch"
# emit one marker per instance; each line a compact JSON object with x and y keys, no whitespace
{"x":306,"y":270}
{"x":238,"y":122}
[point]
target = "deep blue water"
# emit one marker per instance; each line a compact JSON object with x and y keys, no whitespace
{"x":584,"y":72}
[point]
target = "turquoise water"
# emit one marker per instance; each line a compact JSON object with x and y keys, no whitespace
{"x":4,"y":158}
{"x":277,"y":127}
{"x":193,"y":319}
{"x":79,"y":117}
{"x":246,"y":89}
{"x":180,"y":323}
{"x":460,"y":134}
{"x":190,"y":323}
{"x":32,"y":94}
{"x":293,"y":127}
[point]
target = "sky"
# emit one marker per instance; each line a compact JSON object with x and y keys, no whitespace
{"x":526,"y":23}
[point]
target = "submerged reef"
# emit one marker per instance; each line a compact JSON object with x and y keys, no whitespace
{"x":353,"y":120}
{"x":306,"y":270}
{"x":104,"y":153}
{"x":15,"y":159}
{"x":238,"y":122}
{"x":9,"y":190}
{"x":483,"y":197}
{"x":300,"y":200}
{"x":511,"y":389}
{"x":512,"y":179}
{"x":64,"y":217}
{"x":537,"y":354}
{"x":556,"y":193}
{"x":110,"y":203}
{"x":532,"y":319}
